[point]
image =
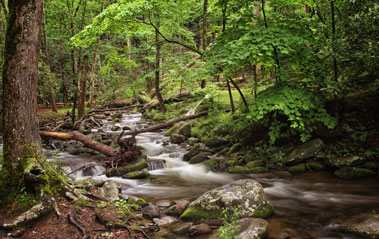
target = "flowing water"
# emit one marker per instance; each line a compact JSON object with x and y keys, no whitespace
{"x":312,"y":205}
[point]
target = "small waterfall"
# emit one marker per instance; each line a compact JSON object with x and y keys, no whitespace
{"x":156,"y":164}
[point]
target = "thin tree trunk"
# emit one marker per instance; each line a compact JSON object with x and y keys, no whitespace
{"x":335,"y":67}
{"x":20,"y":77}
{"x":240,"y":92}
{"x":51,"y":87}
{"x":92,"y":81}
{"x":82,"y":89}
{"x":204,"y":35}
{"x":255,"y":81}
{"x":61,"y":62}
{"x":230,"y":96}
{"x":157,"y":71}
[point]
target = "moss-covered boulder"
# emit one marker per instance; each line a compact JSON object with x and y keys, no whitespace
{"x":345,"y":161}
{"x":177,"y":139}
{"x":192,"y":152}
{"x":247,"y":228}
{"x":181,"y":128}
{"x":366,"y":225}
{"x":212,"y":163}
{"x":370,"y":165}
{"x":244,"y":197}
{"x":134,"y":166}
{"x":354,"y":173}
{"x":246,"y":170}
{"x":199,"y":158}
{"x":305,"y":151}
{"x":298,"y":168}
{"x":255,"y":163}
{"x":136,"y":175}
{"x":216,"y":142}
{"x":220,"y":130}
{"x":315,"y":166}
{"x":235,"y":148}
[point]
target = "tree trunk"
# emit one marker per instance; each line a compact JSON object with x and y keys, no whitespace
{"x":104,"y":149}
{"x":61,"y":62}
{"x":204,"y":35}
{"x":240,"y":92}
{"x":83,"y":81}
{"x":157,"y":70}
{"x":230,"y":96}
{"x":20,"y":77}
{"x":92,"y":81}
{"x":51,"y":87}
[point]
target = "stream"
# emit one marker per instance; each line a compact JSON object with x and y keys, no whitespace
{"x":311,"y":205}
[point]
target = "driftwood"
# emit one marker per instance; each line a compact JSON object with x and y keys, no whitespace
{"x":104,"y":149}
{"x":167,"y":124}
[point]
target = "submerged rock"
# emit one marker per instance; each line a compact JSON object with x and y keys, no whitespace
{"x":354,"y":173}
{"x":366,"y":225}
{"x":246,"y":228}
{"x":245,"y":197}
{"x":305,"y":151}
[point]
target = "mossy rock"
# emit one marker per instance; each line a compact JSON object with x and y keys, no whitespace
{"x":192,"y":152}
{"x":136,"y":175}
{"x":215,"y":142}
{"x":298,"y":168}
{"x":255,"y":163}
{"x":316,"y":166}
{"x":195,"y":214}
{"x":136,"y":166}
{"x":235,"y":148}
{"x":265,"y":212}
{"x":199,"y":158}
{"x":177,"y":139}
{"x":212,"y":163}
{"x":141,"y":202}
{"x":246,"y":170}
{"x":282,"y":174}
{"x":370,"y":165}
{"x":354,"y":173}
{"x":220,"y":130}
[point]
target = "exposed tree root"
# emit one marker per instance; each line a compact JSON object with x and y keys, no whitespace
{"x":73,"y":219}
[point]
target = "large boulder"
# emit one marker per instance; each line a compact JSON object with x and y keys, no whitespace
{"x":177,"y":139}
{"x":345,"y":161}
{"x":366,"y":225}
{"x":245,"y":228}
{"x":244,"y":197}
{"x":305,"y":151}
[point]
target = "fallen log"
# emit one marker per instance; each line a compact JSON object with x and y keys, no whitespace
{"x":104,"y":149}
{"x":167,"y":124}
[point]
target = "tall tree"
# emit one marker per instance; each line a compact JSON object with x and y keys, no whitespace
{"x":20,"y":74}
{"x":82,"y":88}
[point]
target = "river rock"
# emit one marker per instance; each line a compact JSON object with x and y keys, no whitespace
{"x":345,"y":161}
{"x":354,"y":173}
{"x":199,"y":229}
{"x":220,"y":130}
{"x":215,"y":142}
{"x":131,"y":167}
{"x":199,"y":158}
{"x":181,"y":128}
{"x":178,"y":208}
{"x":177,"y":139}
{"x":366,"y":225}
{"x":305,"y":151}
{"x":163,"y":204}
{"x":246,"y":228}
{"x":126,"y":127}
{"x":115,"y":128}
{"x":165,"y":221}
{"x":110,"y":191}
{"x":182,"y":228}
{"x":245,"y":197}
{"x":192,"y":152}
{"x":151,"y":211}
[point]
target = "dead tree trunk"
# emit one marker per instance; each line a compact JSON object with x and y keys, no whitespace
{"x":104,"y":149}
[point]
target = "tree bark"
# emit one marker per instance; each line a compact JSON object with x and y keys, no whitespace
{"x":51,"y":87}
{"x":20,"y":77}
{"x":157,"y":71}
{"x":230,"y":96}
{"x":92,"y":81}
{"x":167,"y":124}
{"x":204,"y":36}
{"x":82,"y":97}
{"x":61,"y":62}
{"x":240,"y":92}
{"x":104,"y":149}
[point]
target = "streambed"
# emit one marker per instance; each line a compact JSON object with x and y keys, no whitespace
{"x":312,"y":205}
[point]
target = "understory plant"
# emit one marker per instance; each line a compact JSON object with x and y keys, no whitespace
{"x":289,"y":109}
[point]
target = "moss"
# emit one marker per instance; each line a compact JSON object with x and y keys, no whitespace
{"x":212,"y":163}
{"x":194,"y":214}
{"x":136,"y":175}
{"x":299,"y":168}
{"x":316,"y":166}
{"x":265,"y":212}
{"x":141,"y":202}
{"x":235,"y":148}
{"x":255,"y":163}
{"x":354,"y":173}
{"x":246,"y":170}
{"x":370,"y":165}
{"x":139,"y":165}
